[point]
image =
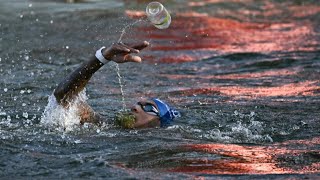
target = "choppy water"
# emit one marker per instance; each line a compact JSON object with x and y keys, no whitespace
{"x":244,"y":74}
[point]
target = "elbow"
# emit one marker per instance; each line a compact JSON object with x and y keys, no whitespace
{"x":58,"y":94}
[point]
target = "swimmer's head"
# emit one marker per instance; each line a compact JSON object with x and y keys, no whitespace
{"x":150,"y":113}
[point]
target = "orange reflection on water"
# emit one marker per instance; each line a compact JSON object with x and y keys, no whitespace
{"x":270,"y":73}
{"x":206,"y":2}
{"x":303,"y":11}
{"x":306,"y":88}
{"x":135,"y":14}
{"x":235,"y":159}
{"x":242,"y":159}
{"x":200,"y":31}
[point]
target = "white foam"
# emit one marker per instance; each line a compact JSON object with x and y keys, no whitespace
{"x":231,"y":128}
{"x":65,"y":119}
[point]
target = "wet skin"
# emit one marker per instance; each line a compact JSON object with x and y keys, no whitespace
{"x":68,"y":90}
{"x":144,"y":119}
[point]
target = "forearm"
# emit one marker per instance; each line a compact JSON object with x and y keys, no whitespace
{"x":72,"y":85}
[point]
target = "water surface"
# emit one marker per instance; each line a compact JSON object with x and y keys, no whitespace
{"x":244,"y":74}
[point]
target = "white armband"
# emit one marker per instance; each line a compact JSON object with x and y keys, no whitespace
{"x":100,"y":57}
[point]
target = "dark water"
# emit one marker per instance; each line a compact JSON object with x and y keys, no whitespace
{"x":244,"y":74}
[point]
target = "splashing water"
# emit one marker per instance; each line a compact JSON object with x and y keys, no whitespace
{"x":61,"y":118}
{"x":117,"y":65}
{"x":125,"y":28}
{"x":66,"y":119}
{"x":120,"y":85}
{"x":160,"y":18}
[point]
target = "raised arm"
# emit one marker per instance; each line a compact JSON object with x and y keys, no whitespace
{"x":73,"y":84}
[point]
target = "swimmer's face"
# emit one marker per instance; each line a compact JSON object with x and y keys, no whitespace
{"x":145,"y":113}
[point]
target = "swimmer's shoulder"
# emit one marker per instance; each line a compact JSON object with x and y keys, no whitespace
{"x":88,"y":115}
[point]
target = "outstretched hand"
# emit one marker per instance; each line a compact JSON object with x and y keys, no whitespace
{"x":121,"y":53}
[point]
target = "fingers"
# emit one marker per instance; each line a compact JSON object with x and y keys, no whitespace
{"x":118,"y":49}
{"x":141,"y":45}
{"x":132,"y":58}
{"x":132,"y":50}
{"x":123,"y":48}
{"x":121,"y":52}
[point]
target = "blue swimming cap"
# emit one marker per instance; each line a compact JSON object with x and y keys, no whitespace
{"x":166,"y":113}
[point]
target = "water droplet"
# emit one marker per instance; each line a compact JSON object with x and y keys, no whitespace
{"x":22,"y":91}
{"x":98,"y":131}
{"x":24,"y":104}
{"x":25,"y":115}
{"x":5,"y":89}
{"x":51,"y":22}
{"x":50,"y":58}
{"x":29,"y":91}
{"x":37,"y":19}
{"x":28,"y":122}
{"x":86,"y":125}
{"x":77,"y":141}
{"x":26,"y":58}
{"x":67,"y":47}
{"x":295,"y":127}
{"x":21,"y":15}
{"x":236,"y":112}
{"x":303,"y":123}
{"x":30,"y":5}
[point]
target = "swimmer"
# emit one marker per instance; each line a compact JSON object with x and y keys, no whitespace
{"x":147,"y":113}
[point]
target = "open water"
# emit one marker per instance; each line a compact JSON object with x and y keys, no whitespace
{"x":244,"y":74}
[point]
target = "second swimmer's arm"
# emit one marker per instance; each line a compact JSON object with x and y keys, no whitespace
{"x":72,"y":85}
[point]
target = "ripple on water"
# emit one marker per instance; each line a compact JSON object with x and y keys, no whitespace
{"x":217,"y":59}
{"x":218,"y":126}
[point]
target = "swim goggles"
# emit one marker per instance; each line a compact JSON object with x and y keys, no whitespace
{"x":149,"y":108}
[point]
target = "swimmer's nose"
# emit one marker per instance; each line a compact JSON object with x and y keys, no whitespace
{"x":134,"y":108}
